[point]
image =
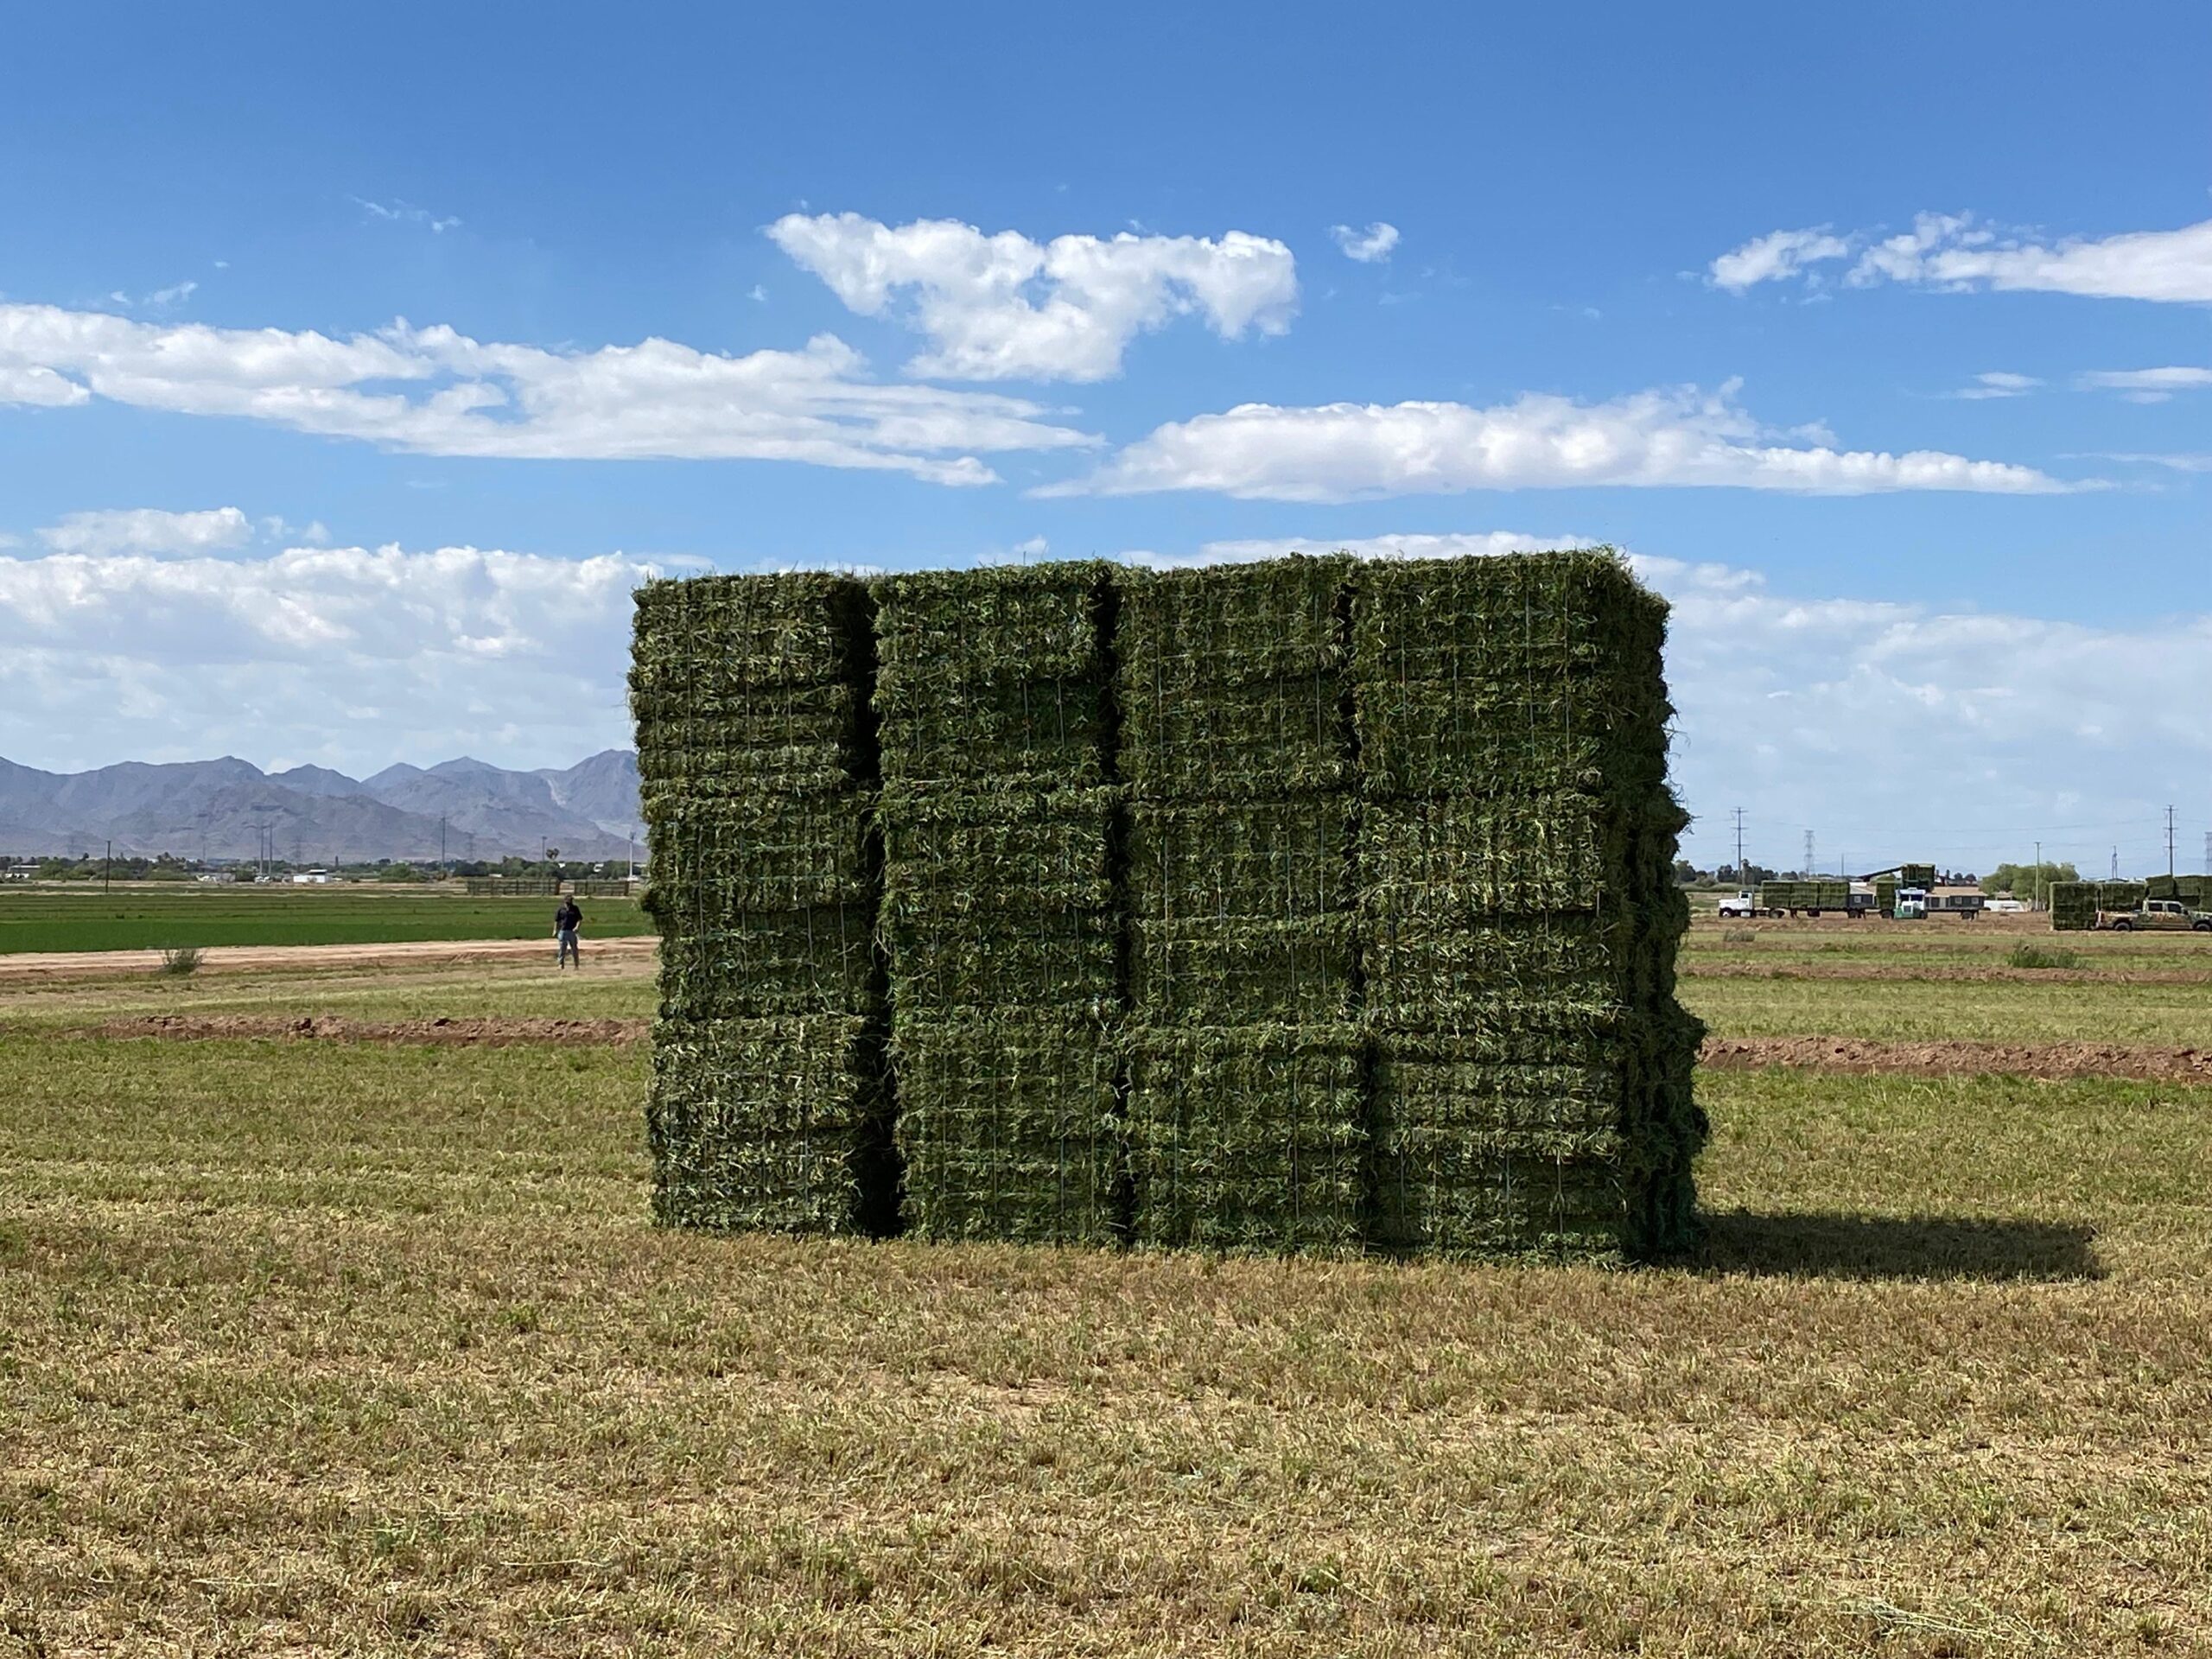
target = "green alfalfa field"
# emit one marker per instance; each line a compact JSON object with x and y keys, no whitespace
{"x":148,"y":916}
{"x":364,"y":1343}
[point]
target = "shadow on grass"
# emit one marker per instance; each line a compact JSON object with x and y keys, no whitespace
{"x":1894,"y":1246}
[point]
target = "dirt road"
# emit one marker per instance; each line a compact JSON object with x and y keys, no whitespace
{"x":266,"y":959}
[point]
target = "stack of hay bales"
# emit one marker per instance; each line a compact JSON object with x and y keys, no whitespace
{"x":1001,"y":824}
{"x":1293,"y":906}
{"x":1246,"y":1109}
{"x":1532,"y":1086}
{"x":756,"y":771}
{"x":2075,"y":904}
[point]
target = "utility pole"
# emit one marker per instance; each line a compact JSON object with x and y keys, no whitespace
{"x":2169,"y":841}
{"x":2208,"y":852}
{"x":444,"y":865}
{"x":2038,"y":875}
{"x":107,"y":868}
{"x":2115,"y":864}
{"x":1740,"y":880}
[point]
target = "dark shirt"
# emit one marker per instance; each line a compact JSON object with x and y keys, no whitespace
{"x":568,"y":916}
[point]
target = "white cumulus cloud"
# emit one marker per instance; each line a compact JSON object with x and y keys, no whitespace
{"x":1368,"y":246}
{"x":148,"y":530}
{"x":1006,"y":307}
{"x":436,"y":391}
{"x":1342,"y":452}
{"x":350,"y":656}
{"x":1776,"y":255}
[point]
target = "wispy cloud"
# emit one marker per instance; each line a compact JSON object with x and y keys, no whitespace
{"x":1776,"y":255}
{"x":1960,"y":254}
{"x":433,"y":390}
{"x":2146,"y":385}
{"x":1675,"y":437}
{"x":1003,"y":307}
{"x":1998,"y":383}
{"x":406,"y":213}
{"x":1370,"y":246}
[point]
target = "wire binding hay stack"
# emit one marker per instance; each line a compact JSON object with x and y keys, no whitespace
{"x":1247,"y":1101}
{"x":1532,"y":1090}
{"x":756,"y":766}
{"x":1298,"y":907}
{"x":1001,"y":822}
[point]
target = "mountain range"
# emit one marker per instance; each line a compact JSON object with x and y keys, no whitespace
{"x":217,"y":809}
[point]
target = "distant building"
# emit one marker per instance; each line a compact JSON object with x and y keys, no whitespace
{"x":316,"y":877}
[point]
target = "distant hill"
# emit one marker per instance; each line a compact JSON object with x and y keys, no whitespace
{"x":217,"y":809}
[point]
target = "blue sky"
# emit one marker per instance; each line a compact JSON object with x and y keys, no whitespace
{"x":1884,"y":347}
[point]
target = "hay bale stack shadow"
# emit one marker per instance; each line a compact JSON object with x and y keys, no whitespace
{"x":1813,"y":1245}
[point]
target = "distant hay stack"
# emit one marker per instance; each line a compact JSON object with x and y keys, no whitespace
{"x":1295,"y":906}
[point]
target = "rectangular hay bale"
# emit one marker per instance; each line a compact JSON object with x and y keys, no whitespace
{"x":1249,"y":1138}
{"x":773,"y":1124}
{"x":1009,"y":1127}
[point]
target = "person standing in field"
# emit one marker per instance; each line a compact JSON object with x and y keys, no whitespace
{"x":567,"y":921}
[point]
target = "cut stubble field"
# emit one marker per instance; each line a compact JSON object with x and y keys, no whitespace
{"x":326,"y":1344}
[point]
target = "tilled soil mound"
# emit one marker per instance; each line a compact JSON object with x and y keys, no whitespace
{"x":485,"y":1033}
{"x":2050,"y":1060}
{"x":1692,"y":969}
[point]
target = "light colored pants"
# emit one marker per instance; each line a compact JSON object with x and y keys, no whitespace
{"x":570,"y":948}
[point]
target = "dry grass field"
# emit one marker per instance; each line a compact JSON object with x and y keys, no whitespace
{"x":310,"y":1343}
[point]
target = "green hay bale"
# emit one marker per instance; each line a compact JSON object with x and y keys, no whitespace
{"x":1009,"y":1127}
{"x":1885,"y":894}
{"x":1273,"y":859}
{"x":967,"y":959}
{"x":996,"y":677}
{"x":1474,"y":1156}
{"x":741,"y":683}
{"x":1532,"y":1089}
{"x":1231,"y":680}
{"x":1916,"y":875}
{"x":767,"y":1106}
{"x":1015,"y":852}
{"x":1433,"y":973}
{"x":715,"y":858}
{"x":817,"y":960}
{"x":1489,"y":854}
{"x":1531,"y":674}
{"x":1241,"y":971}
{"x":1249,"y":1139}
{"x":773,"y":1124}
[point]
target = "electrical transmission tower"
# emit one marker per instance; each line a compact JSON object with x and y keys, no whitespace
{"x":2169,"y":841}
{"x":1809,"y":867}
